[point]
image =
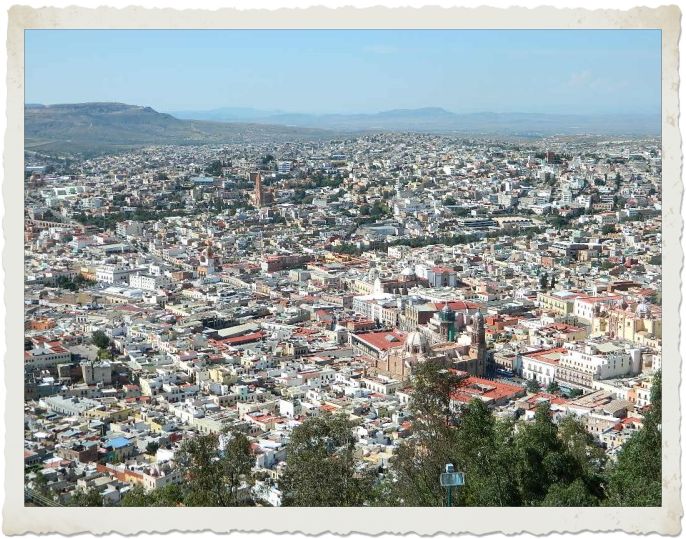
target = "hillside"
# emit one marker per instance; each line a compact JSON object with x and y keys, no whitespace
{"x":92,"y":128}
{"x":438,"y":120}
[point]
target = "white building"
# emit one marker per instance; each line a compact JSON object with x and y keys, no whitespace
{"x":542,"y":365}
{"x":600,"y":361}
{"x":149,"y":282}
{"x":588,"y":308}
{"x":114,"y":274}
{"x":47,"y":355}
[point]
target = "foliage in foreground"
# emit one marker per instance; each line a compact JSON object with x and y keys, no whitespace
{"x":506,"y":463}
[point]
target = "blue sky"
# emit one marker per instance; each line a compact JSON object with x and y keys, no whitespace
{"x":317,"y":71}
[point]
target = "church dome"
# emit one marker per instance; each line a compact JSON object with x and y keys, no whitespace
{"x":416,"y":343}
{"x":643,"y":310}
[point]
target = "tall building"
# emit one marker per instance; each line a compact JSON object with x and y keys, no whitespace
{"x":258,"y":194}
{"x":447,"y":324}
{"x":477,"y":350}
{"x":207,"y":264}
{"x":261,"y":196}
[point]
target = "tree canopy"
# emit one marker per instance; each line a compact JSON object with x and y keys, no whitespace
{"x":100,"y":340}
{"x":636,"y":478}
{"x":321,"y":469}
{"x":215,"y":469}
{"x":547,"y":460}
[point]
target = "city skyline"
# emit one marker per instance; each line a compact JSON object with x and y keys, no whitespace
{"x":326,"y":71}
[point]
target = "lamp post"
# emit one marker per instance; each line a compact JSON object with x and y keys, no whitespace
{"x":449,"y":479}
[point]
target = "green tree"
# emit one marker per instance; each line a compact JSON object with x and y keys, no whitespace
{"x":415,"y":468}
{"x":105,"y":354}
{"x":485,"y":453}
{"x":321,"y":469}
{"x":86,"y":498}
{"x":533,"y":386}
{"x":100,"y":340}
{"x":553,"y":387}
{"x":214,"y":168}
{"x":538,"y":458}
{"x":433,"y":384}
{"x":558,"y":221}
{"x":40,"y":484}
{"x":574,"y":494}
{"x":137,"y":497}
{"x":589,"y":458}
{"x":215,"y":469}
{"x":167,"y":496}
{"x":557,"y":465}
{"x":152,"y":447}
{"x":419,"y":461}
{"x":635,"y":480}
{"x":543,"y":281}
{"x":503,"y":466}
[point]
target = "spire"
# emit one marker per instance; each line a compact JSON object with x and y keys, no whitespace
{"x":259,"y":195}
{"x":479,"y":331}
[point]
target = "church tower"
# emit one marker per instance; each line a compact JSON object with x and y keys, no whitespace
{"x":479,"y":331}
{"x":258,"y":195}
{"x":477,"y":350}
{"x":207,"y":261}
{"x":447,"y":324}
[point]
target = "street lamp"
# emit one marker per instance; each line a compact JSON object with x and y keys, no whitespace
{"x":449,"y":479}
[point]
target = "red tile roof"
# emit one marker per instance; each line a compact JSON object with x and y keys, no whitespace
{"x":473,"y":387}
{"x":248,"y":337}
{"x":381,"y":341}
{"x":546,"y":356}
{"x":457,"y":305}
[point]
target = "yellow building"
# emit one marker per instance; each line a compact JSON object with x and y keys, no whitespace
{"x":559,"y":302}
{"x":109,"y":415}
{"x":222,"y":375}
{"x":641,"y":325}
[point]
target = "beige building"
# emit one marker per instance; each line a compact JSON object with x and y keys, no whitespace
{"x":560,"y":302}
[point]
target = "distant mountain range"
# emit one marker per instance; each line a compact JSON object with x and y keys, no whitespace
{"x":91,"y":128}
{"x":438,"y":120}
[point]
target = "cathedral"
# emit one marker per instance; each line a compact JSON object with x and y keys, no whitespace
{"x":207,"y":262}
{"x":399,"y":362}
{"x":262,"y":196}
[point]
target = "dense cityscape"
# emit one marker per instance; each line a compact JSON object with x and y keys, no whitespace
{"x":323,"y":322}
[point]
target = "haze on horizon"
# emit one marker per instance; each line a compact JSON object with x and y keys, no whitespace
{"x":350,"y":71}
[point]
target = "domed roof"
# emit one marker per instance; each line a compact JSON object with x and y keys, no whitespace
{"x":416,"y":342}
{"x":408,"y":271}
{"x":643,"y":309}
